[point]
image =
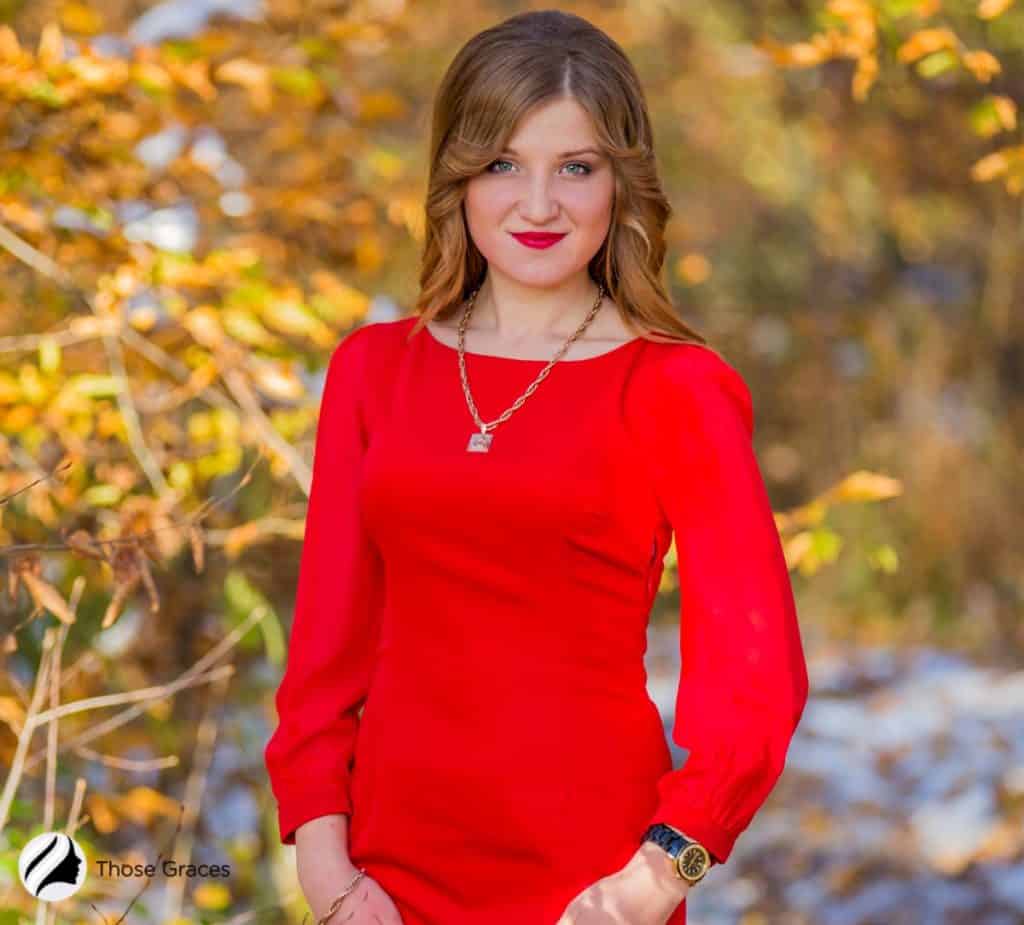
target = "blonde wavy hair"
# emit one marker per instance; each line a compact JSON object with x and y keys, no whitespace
{"x":496,"y":77}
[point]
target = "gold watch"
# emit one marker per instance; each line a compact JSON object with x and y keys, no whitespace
{"x":690,"y":859}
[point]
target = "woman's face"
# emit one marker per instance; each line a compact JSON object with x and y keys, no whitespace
{"x":540,"y":185}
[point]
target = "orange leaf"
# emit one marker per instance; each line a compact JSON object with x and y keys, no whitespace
{"x":12,"y":713}
{"x":983,"y":65}
{"x":864,"y":77}
{"x":925,"y":42}
{"x":990,"y":9}
{"x":1006,"y":110}
{"x":991,"y":166}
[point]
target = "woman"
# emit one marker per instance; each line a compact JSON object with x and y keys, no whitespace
{"x":465,"y":735}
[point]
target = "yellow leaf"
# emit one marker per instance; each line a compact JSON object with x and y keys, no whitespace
{"x":368,"y":253}
{"x":277,"y":381}
{"x":150,"y":74}
{"x":381,"y":104}
{"x":51,"y":46}
{"x":337,"y":301}
{"x":10,"y":391}
{"x":294,"y":318}
{"x":10,"y":49}
{"x":102,"y":814}
{"x":202,"y":323}
{"x":143,"y":805}
{"x":195,"y":76}
{"x":885,"y":559}
{"x":246,"y":327}
{"x":251,"y":75}
{"x":49,"y":355}
{"x":209,"y":895}
{"x":48,"y":597}
{"x":238,"y":538}
{"x":796,"y":548}
{"x":925,"y":42}
{"x":386,"y":165}
{"x":101,"y":74}
{"x":79,"y":17}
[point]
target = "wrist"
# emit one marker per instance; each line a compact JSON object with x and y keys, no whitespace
{"x":657,"y":868}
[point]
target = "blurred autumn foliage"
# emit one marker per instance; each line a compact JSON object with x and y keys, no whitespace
{"x":198,"y":200}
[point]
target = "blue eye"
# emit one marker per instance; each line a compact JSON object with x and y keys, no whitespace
{"x":587,"y":169}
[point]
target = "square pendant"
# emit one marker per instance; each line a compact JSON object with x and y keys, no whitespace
{"x":479,"y":443}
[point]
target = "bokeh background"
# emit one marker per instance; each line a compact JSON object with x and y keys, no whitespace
{"x":199,"y":198}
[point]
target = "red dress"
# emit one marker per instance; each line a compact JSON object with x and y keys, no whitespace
{"x":488,"y":612}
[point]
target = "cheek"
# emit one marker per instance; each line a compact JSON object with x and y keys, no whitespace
{"x":486,"y":200}
{"x":592,"y":218}
{"x":590,"y":205}
{"x":486,"y":211}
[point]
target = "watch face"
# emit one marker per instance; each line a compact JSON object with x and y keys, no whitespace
{"x":693,"y":862}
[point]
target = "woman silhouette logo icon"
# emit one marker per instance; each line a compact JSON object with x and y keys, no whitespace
{"x":52,"y":866}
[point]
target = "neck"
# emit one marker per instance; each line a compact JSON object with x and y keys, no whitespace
{"x":516,"y":312}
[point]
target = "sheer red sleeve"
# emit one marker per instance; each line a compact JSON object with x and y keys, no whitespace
{"x":334,"y":626}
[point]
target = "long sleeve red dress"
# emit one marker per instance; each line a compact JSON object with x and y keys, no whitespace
{"x":465,"y":674}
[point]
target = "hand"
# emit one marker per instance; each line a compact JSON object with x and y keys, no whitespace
{"x":644,"y":892}
{"x":367,"y":904}
{"x":325,"y":869}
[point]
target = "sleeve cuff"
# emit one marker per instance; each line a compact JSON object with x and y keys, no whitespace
{"x":717,"y":839}
{"x":307,"y":803}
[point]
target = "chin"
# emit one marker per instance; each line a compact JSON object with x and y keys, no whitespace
{"x":548,"y":281}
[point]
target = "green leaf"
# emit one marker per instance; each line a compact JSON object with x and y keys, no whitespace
{"x":299,"y":81}
{"x":937,"y":63}
{"x":49,"y":355}
{"x":43,"y":91}
{"x":95,"y":386}
{"x":102,"y":495}
{"x":242,"y":597}
{"x":884,"y":559}
{"x":897,"y":9}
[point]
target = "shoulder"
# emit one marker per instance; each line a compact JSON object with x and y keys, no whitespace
{"x":371,"y":345}
{"x":363,"y":364}
{"x":373,"y":336}
{"x":686,"y":382}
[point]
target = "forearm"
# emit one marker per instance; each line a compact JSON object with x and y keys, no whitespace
{"x":322,"y":860}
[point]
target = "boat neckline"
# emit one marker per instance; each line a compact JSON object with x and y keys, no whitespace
{"x":618,"y":348}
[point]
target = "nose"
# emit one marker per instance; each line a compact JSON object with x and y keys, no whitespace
{"x":538,"y":207}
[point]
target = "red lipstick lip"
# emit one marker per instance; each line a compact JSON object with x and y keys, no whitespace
{"x":537,"y":238}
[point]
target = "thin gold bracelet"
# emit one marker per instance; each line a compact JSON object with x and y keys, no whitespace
{"x":337,"y":902}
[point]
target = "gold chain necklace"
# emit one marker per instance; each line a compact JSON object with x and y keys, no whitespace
{"x":481,"y":442}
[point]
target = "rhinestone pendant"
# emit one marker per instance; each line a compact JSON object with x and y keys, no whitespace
{"x":479,"y":443}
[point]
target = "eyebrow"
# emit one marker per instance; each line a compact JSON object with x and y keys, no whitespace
{"x":563,"y":154}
